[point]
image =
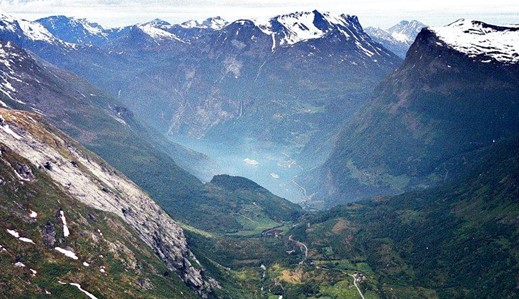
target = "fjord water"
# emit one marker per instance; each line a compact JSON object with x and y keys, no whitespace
{"x":270,"y":165}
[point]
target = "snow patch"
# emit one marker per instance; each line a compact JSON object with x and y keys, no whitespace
{"x":20,"y":264}
{"x":33,"y":214}
{"x":35,"y":31}
{"x":13,"y":233}
{"x":78,"y":286}
{"x":67,"y":253}
{"x":9,"y":131}
{"x":66,"y":231}
{"x":86,"y":264}
{"x":157,"y":33}
{"x":26,"y":240}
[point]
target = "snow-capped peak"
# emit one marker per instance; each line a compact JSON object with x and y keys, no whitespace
{"x":406,"y":31}
{"x":475,"y":38}
{"x":215,"y":23}
{"x":302,"y":26}
{"x":158,"y":34}
{"x":158,"y":23}
{"x":55,"y":22}
{"x":31,"y":30}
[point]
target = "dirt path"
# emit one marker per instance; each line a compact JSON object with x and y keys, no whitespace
{"x":358,"y":289}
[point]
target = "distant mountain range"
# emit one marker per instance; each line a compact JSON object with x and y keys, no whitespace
{"x":213,"y":79}
{"x":397,"y":38}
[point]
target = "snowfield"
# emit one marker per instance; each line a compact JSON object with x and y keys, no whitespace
{"x":474,"y":38}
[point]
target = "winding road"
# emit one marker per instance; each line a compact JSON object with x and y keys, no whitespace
{"x":300,"y":244}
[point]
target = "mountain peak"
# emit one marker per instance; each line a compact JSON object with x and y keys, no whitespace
{"x":74,"y":30}
{"x":215,"y":23}
{"x":305,"y":25}
{"x":157,"y":22}
{"x":478,"y":39}
{"x":25,"y":29}
{"x":406,"y":31}
{"x":157,"y":33}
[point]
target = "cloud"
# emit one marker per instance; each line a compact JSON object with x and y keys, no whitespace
{"x":376,"y":12}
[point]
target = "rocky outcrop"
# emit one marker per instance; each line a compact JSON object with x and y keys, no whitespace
{"x":92,"y":181}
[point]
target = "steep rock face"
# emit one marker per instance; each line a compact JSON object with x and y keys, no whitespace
{"x":431,"y":116}
{"x":51,"y":244}
{"x":93,"y":182}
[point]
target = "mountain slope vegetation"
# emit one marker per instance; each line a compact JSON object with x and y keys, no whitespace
{"x":429,"y":119}
{"x":459,"y":240}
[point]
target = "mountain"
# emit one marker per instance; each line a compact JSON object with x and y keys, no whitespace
{"x":397,"y":38}
{"x":77,"y":31}
{"x":26,"y":33}
{"x":192,"y":30}
{"x":455,"y":94}
{"x":257,"y":55}
{"x":215,"y":23}
{"x":146,"y":36}
{"x":71,"y":220}
{"x":459,"y":240}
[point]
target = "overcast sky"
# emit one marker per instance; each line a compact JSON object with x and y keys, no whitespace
{"x":381,"y":13}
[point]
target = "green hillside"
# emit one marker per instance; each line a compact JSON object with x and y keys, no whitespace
{"x":458,"y":241}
